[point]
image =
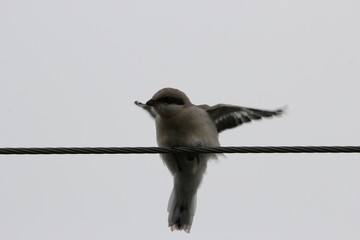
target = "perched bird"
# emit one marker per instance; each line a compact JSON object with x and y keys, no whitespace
{"x":179,"y":123}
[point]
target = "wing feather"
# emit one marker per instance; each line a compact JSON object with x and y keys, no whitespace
{"x":230,"y":116}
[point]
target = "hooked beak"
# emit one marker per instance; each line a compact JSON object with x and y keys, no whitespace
{"x":151,"y":102}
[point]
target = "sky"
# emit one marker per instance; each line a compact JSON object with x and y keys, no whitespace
{"x":71,"y":70}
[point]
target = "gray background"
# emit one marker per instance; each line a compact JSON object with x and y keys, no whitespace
{"x":71,"y":69}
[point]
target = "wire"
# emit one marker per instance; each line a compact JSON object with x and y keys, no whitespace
{"x":153,"y":150}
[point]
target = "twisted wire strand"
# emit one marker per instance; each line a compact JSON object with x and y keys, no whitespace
{"x":154,"y":150}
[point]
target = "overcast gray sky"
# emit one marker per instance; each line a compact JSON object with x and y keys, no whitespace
{"x":70,"y":71}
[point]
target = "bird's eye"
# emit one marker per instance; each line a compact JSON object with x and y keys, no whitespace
{"x":171,"y":100}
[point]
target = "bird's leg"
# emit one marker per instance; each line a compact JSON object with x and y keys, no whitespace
{"x":192,"y":157}
{"x":176,"y":158}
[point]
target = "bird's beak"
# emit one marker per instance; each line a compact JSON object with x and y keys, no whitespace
{"x":151,"y":102}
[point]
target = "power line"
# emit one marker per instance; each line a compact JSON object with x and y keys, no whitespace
{"x":153,"y":150}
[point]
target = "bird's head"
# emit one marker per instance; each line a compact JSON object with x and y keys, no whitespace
{"x":169,"y":101}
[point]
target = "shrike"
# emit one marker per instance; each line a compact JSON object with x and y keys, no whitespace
{"x":181,"y":123}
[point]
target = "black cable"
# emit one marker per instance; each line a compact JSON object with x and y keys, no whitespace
{"x":152,"y":150}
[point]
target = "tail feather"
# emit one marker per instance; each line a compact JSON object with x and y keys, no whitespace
{"x":188,"y":171}
{"x":181,"y":210}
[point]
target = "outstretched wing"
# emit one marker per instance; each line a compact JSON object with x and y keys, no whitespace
{"x":229,"y":116}
{"x":148,"y":108}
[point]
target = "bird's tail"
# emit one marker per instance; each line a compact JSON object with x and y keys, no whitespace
{"x":181,"y":210}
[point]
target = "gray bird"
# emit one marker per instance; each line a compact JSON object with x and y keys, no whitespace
{"x":179,"y":123}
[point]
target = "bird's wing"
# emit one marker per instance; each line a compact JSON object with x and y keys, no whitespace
{"x":229,"y":116}
{"x":148,"y":108}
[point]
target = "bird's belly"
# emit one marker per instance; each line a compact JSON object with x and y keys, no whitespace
{"x":178,"y":139}
{"x":193,"y":130}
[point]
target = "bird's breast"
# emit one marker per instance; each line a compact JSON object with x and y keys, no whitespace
{"x":191,"y":127}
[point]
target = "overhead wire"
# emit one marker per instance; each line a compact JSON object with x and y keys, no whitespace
{"x":169,"y":150}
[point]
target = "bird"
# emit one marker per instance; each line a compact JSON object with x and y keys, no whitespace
{"x":180,"y":123}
